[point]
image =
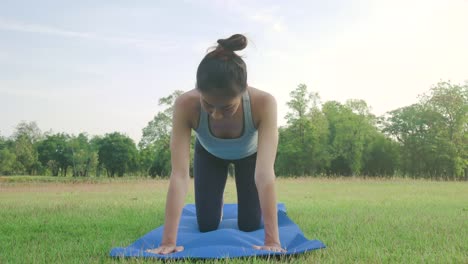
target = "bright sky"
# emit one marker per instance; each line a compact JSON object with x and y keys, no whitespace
{"x":101,"y":66}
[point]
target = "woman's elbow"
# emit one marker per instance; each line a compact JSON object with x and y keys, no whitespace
{"x":264,"y":178}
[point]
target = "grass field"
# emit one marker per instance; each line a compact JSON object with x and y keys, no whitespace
{"x":360,"y":221}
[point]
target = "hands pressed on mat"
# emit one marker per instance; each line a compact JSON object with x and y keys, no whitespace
{"x":168,"y":249}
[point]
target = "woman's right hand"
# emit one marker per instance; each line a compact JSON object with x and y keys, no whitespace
{"x":165,"y":249}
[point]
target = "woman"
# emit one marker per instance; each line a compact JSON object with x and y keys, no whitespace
{"x":234,"y":123}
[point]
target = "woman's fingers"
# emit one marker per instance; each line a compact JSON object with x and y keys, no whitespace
{"x":154,"y":250}
{"x":165,"y":250}
{"x":270,"y":248}
{"x":282,"y":250}
{"x":179,"y":249}
{"x":168,"y":250}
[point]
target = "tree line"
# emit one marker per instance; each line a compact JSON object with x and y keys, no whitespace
{"x":427,"y":139}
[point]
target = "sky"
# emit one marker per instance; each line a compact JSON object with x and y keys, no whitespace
{"x":101,"y":66}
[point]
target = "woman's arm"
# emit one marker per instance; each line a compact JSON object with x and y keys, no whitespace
{"x":179,"y":179}
{"x":265,"y":174}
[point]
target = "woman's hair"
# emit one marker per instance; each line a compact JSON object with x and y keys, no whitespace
{"x":222,"y":71}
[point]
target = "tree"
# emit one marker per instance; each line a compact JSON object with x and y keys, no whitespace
{"x":160,"y":127}
{"x":302,"y":143}
{"x":450,"y":102}
{"x":351,"y":130}
{"x":29,"y":130}
{"x":146,"y":157}
{"x":299,"y":103}
{"x":55,"y":153}
{"x":118,"y":154}
{"x":26,"y":156}
{"x":25,"y":136}
{"x":7,"y":156}
{"x":155,"y":143}
{"x":94,"y":145}
{"x":381,"y":156}
{"x":84,"y":158}
{"x":433,"y":132}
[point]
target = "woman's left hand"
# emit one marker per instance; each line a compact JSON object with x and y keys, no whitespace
{"x":271,"y":247}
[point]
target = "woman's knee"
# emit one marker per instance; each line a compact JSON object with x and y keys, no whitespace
{"x":207,"y":225}
{"x":249,"y":226}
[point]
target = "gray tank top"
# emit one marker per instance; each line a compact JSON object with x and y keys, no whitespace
{"x":230,"y":149}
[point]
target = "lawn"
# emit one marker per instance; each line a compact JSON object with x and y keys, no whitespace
{"x":360,"y":220}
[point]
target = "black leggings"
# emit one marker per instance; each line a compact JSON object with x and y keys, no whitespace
{"x":210,"y":174}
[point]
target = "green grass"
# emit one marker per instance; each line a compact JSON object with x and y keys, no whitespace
{"x":364,"y":221}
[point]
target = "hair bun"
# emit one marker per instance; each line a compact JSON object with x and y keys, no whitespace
{"x":234,"y":42}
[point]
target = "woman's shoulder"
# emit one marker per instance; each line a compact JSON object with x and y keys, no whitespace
{"x":189,"y":104}
{"x":188,"y":98}
{"x":261,"y":102}
{"x":260,"y":97}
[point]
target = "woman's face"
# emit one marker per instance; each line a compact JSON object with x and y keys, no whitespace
{"x":220,"y":107}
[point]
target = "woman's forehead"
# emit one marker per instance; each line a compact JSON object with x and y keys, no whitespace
{"x":220,"y":100}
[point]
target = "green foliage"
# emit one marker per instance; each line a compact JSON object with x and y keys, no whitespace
{"x":160,"y":127}
{"x":118,"y":154}
{"x":28,"y":130}
{"x":381,"y":157}
{"x":427,"y":139}
{"x":7,"y":162}
{"x":84,"y":156}
{"x":7,"y":157}
{"x":60,"y":151}
{"x":26,"y":156}
{"x":146,"y":157}
{"x":325,"y":139}
{"x":155,"y":155}
{"x":53,"y":153}
{"x":161,"y":165}
{"x":302,"y":148}
{"x":433,"y":133}
{"x":346,"y":141}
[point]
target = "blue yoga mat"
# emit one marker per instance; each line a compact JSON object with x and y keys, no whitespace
{"x":225,"y":242}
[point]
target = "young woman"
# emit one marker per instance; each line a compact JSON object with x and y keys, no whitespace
{"x":234,"y":123}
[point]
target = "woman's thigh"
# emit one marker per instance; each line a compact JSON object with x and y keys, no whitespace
{"x":249,"y":211}
{"x":210,"y":174}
